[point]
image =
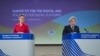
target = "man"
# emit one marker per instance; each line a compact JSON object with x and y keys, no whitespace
{"x":71,"y":28}
{"x":21,"y":27}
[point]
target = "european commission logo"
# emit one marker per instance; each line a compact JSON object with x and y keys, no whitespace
{"x":2,"y":53}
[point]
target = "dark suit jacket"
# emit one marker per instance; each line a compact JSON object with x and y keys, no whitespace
{"x":67,"y":29}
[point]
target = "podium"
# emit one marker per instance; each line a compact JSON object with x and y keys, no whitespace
{"x":16,"y":44}
{"x":81,"y":44}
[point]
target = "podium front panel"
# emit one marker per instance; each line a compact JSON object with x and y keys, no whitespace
{"x":81,"y":44}
{"x":16,"y":45}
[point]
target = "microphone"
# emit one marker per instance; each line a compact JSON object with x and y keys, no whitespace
{"x":86,"y":30}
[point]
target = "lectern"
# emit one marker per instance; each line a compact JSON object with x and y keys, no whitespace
{"x":16,"y":44}
{"x":81,"y":44}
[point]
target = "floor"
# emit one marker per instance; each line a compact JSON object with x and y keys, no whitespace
{"x":48,"y":51}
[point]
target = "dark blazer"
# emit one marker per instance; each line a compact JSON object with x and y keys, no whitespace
{"x":67,"y":29}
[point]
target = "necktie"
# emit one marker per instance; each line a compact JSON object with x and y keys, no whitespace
{"x":73,"y":28}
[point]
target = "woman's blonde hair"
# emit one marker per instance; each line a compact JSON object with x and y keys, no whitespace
{"x":21,"y":15}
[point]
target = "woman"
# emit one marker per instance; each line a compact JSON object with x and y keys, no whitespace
{"x":21,"y":27}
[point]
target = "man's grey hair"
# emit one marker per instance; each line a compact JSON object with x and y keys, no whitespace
{"x":72,"y":18}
